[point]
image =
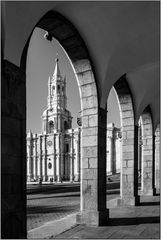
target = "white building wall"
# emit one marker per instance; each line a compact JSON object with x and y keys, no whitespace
{"x":40,"y":154}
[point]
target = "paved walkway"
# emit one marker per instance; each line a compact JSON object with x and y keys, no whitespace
{"x":51,"y":202}
{"x":141,"y":222}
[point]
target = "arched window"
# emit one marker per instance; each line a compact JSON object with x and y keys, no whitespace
{"x":51,"y":126}
{"x":49,"y":165}
{"x":67,"y":148}
{"x":65,"y":125}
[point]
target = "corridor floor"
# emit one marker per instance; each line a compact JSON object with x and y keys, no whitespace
{"x":141,"y":222}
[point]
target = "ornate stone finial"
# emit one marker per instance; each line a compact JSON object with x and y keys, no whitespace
{"x":56,"y":59}
{"x":57,"y":70}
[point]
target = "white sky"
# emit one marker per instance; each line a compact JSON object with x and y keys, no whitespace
{"x":41,"y":64}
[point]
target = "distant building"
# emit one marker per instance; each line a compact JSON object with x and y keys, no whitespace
{"x":54,"y":155}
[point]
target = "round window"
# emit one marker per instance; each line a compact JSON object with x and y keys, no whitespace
{"x":49,"y":143}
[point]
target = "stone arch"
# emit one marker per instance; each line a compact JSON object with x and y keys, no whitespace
{"x":93,"y":135}
{"x":147,"y":152}
{"x":157,"y":159}
{"x":128,"y":172}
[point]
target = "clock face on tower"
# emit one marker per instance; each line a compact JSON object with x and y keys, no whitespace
{"x":49,"y":143}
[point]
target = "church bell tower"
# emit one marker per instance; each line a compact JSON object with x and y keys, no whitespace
{"x":56,"y":118}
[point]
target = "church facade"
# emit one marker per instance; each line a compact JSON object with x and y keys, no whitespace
{"x":54,"y":155}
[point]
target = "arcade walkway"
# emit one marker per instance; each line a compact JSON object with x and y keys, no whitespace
{"x":141,"y":222}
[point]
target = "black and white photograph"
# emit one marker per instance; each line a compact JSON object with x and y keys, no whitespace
{"x":80,"y":119}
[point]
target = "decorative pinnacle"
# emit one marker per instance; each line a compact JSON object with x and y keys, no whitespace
{"x":57,"y":59}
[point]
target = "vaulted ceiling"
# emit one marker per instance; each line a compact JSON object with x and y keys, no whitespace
{"x":121,"y":37}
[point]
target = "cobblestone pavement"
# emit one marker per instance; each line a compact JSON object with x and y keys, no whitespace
{"x":54,"y":201}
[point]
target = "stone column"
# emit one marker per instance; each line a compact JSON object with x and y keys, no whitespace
{"x":147,"y":150}
{"x":77,"y":174}
{"x":118,"y":151}
{"x":140,"y":142}
{"x":59,"y":159}
{"x":109,"y":159}
{"x":129,"y":169}
{"x":35,"y":159}
{"x":79,"y":153}
{"x":72,"y":158}
{"x":62,"y":157}
{"x":13,"y":152}
{"x":93,"y":170}
{"x":128,"y":176}
{"x":93,"y":150}
{"x":40,"y":156}
{"x":157,"y":159}
{"x":44,"y":160}
{"x":28,"y":179}
{"x":30,"y":162}
{"x":54,"y":159}
{"x":34,"y":167}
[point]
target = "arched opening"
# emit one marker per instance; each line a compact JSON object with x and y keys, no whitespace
{"x":128,"y":168}
{"x":114,"y":138}
{"x":93,"y":171}
{"x":146,"y":161}
{"x":51,"y":126}
{"x":140,"y":144}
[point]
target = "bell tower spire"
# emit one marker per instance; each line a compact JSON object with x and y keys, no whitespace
{"x":57,"y":89}
{"x":57,"y":70}
{"x":56,"y":117}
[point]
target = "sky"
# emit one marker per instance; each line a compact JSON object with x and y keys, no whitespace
{"x":40,"y":65}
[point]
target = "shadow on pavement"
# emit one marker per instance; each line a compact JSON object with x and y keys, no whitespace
{"x":132,"y":221}
{"x":116,"y":191}
{"x":60,"y":196}
{"x":44,"y":209}
{"x":149,"y":203}
{"x":53,"y":189}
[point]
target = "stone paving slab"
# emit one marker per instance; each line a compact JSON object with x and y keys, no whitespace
{"x":56,"y":220}
{"x":53,"y":227}
{"x":51,"y":202}
{"x":141,"y":222}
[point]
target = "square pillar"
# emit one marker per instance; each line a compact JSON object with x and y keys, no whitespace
{"x":157,"y":160}
{"x":147,"y":154}
{"x":147,"y":171}
{"x":93,"y":150}
{"x":93,"y":171}
{"x":128,"y":169}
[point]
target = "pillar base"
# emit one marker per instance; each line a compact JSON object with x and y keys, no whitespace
{"x":148,"y":192}
{"x":131,"y":201}
{"x":156,"y":191}
{"x":93,"y":218}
